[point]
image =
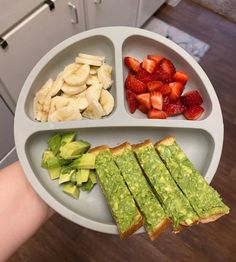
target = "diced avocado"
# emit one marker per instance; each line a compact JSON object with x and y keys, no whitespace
{"x":49,"y":160}
{"x":73,"y":178}
{"x":66,"y":174}
{"x":63,"y":161}
{"x":71,"y":190}
{"x":54,"y":172}
{"x":92,"y":176}
{"x":86,"y":161}
{"x":67,"y":138}
{"x":74,"y":149}
{"x":54,"y":143}
{"x":82,"y":176}
{"x":87,"y":186}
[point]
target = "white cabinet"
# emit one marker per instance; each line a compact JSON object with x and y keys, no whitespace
{"x":33,"y":37}
{"x":111,"y":12}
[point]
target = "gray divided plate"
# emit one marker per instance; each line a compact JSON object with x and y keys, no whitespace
{"x":201,"y":140}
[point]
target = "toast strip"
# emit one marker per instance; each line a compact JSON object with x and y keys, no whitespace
{"x":174,"y":202}
{"x":120,"y":200}
{"x":203,"y":198}
{"x":155,"y":219}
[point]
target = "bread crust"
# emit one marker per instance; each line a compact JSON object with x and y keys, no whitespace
{"x":118,"y":150}
{"x":212,"y":218}
{"x":98,"y":149}
{"x":160,"y":228}
{"x":168,"y":140}
{"x":147,"y":142}
{"x":135,"y":227}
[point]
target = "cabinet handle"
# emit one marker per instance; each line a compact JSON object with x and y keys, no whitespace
{"x":74,"y":10}
{"x":98,"y":2}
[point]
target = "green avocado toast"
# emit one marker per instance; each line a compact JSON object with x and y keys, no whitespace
{"x":174,"y":202}
{"x":120,"y":200}
{"x":155,"y":219}
{"x":203,"y":198}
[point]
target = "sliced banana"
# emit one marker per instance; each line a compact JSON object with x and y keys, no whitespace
{"x":64,"y":114}
{"x":93,"y":79}
{"x":93,"y":92}
{"x":92,"y":57}
{"x":93,"y":70}
{"x":107,"y":102}
{"x":81,"y":60}
{"x":104,"y":75}
{"x":58,"y":102}
{"x":82,"y":101}
{"x":93,"y":111}
{"x":79,"y":77}
{"x":57,"y":84}
{"x":72,"y":90}
{"x":70,"y":69}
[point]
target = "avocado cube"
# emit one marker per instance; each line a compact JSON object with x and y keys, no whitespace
{"x":67,"y":138}
{"x":71,"y":190}
{"x":82,"y":176}
{"x":66,"y":174}
{"x":73,"y":178}
{"x":54,"y":172}
{"x":74,"y":149}
{"x":86,"y":161}
{"x":87,"y":186}
{"x":54,"y":143}
{"x":92,"y":176}
{"x":49,"y":160}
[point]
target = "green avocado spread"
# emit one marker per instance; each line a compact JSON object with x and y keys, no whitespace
{"x":174,"y":202}
{"x":147,"y":202}
{"x":203,"y":198}
{"x":116,"y":192}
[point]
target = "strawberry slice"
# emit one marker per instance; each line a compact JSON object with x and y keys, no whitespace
{"x":149,"y":65}
{"x":144,"y":76}
{"x":193,"y":112}
{"x":165,"y":71}
{"x":154,"y":85}
{"x":156,"y":114}
{"x":142,"y":108}
{"x":191,"y":98}
{"x":156,"y":58}
{"x":132,"y":63}
{"x":164,"y":89}
{"x":135,"y":85}
{"x":131,"y":100}
{"x":157,"y":100}
{"x":145,"y":99}
{"x":176,"y":90}
{"x":174,"y":108}
{"x":180,"y":76}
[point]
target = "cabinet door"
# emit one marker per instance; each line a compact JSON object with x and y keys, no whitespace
{"x":6,"y":130}
{"x":111,"y":13}
{"x":146,"y":9}
{"x":35,"y":36}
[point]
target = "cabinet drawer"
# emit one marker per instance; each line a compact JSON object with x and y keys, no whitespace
{"x":28,"y":42}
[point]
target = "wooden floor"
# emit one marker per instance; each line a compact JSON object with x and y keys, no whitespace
{"x":61,"y":240}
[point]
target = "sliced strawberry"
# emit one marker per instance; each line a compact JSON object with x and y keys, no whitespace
{"x":144,"y":76}
{"x":142,"y":108}
{"x":135,"y":85}
{"x":156,"y":58}
{"x":156,"y":114}
{"x":154,"y":85}
{"x":176,"y":90}
{"x":149,"y":65}
{"x":191,"y":98}
{"x":145,"y":99}
{"x":180,"y":76}
{"x":132,"y":64}
{"x":174,"y":108}
{"x":164,"y":89}
{"x":131,"y":100}
{"x":193,"y":112}
{"x":157,"y":100}
{"x":166,"y":101}
{"x":165,"y":71}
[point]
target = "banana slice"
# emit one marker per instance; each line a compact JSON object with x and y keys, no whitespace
{"x":79,"y":77}
{"x":58,"y":83}
{"x":70,"y":69}
{"x":104,"y":75}
{"x":65,"y":113}
{"x":82,"y":101}
{"x":92,"y":57}
{"x":72,"y":90}
{"x":93,"y":111}
{"x":58,"y":102}
{"x":86,"y":61}
{"x":93,"y":92}
{"x":93,"y":70}
{"x":93,"y":79}
{"x":107,"y":102}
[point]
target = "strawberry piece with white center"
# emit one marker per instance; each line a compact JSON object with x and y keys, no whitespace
{"x":132,"y":63}
{"x":180,"y":76}
{"x":149,"y":65}
{"x":145,"y":99}
{"x":193,"y":112}
{"x":176,"y":90}
{"x":135,"y":85}
{"x":157,"y":100}
{"x":156,"y":114}
{"x":131,"y":100}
